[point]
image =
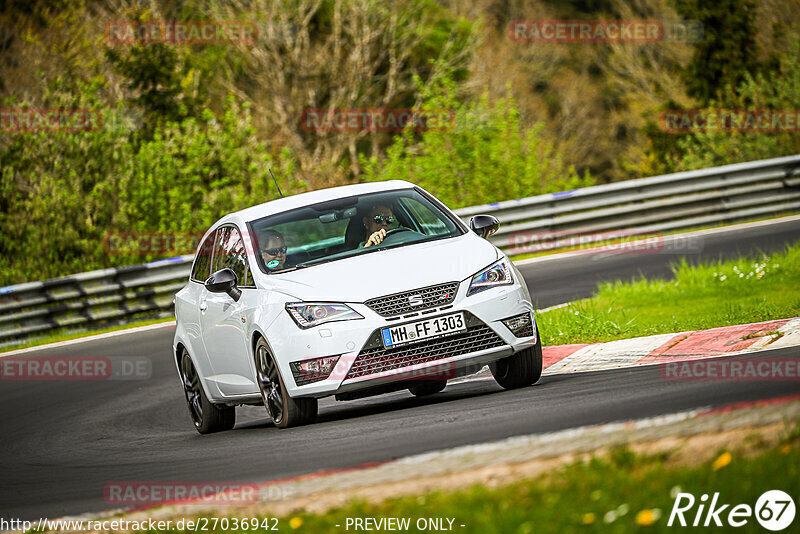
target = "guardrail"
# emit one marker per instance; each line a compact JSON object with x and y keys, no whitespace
{"x":647,"y":205}
{"x":78,"y":302}
{"x":635,"y":207}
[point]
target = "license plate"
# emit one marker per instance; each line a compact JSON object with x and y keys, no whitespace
{"x":427,"y":328}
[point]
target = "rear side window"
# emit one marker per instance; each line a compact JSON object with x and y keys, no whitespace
{"x":229,"y":252}
{"x":202,"y":262}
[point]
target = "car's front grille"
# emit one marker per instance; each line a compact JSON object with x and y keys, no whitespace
{"x":415,"y":300}
{"x":378,"y":359}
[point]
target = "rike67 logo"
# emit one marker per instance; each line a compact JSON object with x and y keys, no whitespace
{"x":774,"y":510}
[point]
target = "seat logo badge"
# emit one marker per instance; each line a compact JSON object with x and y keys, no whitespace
{"x":415,"y":300}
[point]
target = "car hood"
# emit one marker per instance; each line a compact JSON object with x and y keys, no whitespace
{"x":388,"y":271}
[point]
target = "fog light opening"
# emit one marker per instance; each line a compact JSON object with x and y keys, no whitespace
{"x":314,"y":370}
{"x":520,"y":325}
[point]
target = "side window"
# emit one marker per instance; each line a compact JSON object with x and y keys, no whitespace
{"x":230,"y":253}
{"x":428,"y":221}
{"x":202,"y":262}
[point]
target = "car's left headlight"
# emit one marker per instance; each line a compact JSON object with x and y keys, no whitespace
{"x":307,"y":314}
{"x":497,"y":274}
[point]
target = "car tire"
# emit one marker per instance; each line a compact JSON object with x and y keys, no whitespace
{"x":427,"y":387}
{"x":284,"y":411}
{"x":206,"y":416}
{"x":521,"y":369}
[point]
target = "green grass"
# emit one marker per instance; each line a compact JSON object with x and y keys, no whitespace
{"x":703,"y":296}
{"x":64,"y":335}
{"x":620,"y":492}
{"x":617,"y":494}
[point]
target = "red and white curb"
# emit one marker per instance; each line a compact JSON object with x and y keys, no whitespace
{"x":676,"y":347}
{"x":663,"y":348}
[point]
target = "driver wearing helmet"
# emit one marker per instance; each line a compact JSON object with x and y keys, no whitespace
{"x":377,"y":222}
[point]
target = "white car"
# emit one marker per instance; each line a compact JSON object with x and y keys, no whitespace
{"x":339,"y":315}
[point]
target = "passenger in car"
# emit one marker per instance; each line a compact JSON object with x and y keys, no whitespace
{"x":273,"y":249}
{"x":377,"y":222}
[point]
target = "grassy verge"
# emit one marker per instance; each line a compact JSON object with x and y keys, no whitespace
{"x":624,"y":492}
{"x":64,"y":335}
{"x":619,"y":492}
{"x":703,"y":296}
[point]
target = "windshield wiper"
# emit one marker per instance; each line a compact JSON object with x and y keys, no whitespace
{"x":289,"y":269}
{"x":310,"y":263}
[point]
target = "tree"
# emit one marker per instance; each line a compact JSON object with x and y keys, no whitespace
{"x":482,"y":155}
{"x":325,"y":54}
{"x":778,"y":91}
{"x":727,"y":53}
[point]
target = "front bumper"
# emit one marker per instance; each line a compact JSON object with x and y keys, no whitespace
{"x":364,"y":363}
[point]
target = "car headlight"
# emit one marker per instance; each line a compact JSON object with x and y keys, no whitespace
{"x":497,"y":274}
{"x":307,"y":315}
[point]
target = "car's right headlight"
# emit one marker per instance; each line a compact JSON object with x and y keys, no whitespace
{"x":497,"y":274}
{"x":307,"y":315}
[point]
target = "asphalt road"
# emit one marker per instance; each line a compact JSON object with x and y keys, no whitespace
{"x":62,"y":442}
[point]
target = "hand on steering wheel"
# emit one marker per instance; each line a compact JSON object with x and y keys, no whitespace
{"x":376,"y":238}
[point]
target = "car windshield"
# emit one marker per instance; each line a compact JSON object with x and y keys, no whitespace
{"x":342,"y":228}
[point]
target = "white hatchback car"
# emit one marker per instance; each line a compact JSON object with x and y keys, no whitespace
{"x":295,"y":299}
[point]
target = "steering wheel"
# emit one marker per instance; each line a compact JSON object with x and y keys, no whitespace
{"x":389,"y":240}
{"x":397,"y":230}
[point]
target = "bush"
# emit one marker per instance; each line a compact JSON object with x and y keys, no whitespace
{"x":484,"y":156}
{"x":62,"y":192}
{"x":780,"y":90}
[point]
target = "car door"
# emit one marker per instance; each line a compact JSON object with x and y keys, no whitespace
{"x":222,"y":320}
{"x":187,"y":307}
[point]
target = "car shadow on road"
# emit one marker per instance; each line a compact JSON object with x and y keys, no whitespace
{"x":331,"y":411}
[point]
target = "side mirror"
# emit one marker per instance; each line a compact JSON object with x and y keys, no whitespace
{"x":484,"y":225}
{"x":224,"y":281}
